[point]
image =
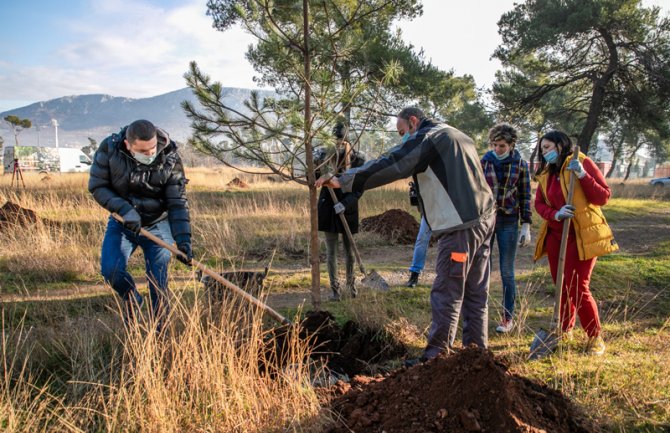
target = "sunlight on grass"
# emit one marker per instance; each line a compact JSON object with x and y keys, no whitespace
{"x":68,"y":365}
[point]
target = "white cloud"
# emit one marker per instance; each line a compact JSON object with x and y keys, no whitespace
{"x":131,"y":49}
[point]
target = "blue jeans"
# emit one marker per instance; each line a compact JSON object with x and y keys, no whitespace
{"x":421,"y":247}
{"x":117,"y":246}
{"x":507,"y":235}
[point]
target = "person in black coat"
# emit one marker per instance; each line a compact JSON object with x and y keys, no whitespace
{"x":328,"y":213}
{"x":139,"y":175}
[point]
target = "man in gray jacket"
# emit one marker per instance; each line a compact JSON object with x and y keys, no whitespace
{"x":459,"y":208}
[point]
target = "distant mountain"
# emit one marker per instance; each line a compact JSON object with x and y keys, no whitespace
{"x":96,"y":116}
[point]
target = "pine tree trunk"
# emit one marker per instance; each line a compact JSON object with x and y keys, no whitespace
{"x":630,"y":166}
{"x":611,"y":170}
{"x":311,"y":176}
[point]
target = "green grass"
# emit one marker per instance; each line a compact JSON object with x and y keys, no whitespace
{"x":621,"y":208}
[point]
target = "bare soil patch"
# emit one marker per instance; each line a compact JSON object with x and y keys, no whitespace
{"x":12,"y":214}
{"x":641,"y":235}
{"x":349,"y":349}
{"x":467,"y":391}
{"x":395,"y":225}
{"x":237,"y":183}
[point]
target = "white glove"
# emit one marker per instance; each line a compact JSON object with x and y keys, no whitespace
{"x":577,"y":167}
{"x":339,"y":208}
{"x":567,"y":211}
{"x":524,"y":235}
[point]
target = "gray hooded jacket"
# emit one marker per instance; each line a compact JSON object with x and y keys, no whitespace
{"x":453,"y":193}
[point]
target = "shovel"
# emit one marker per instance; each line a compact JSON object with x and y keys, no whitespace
{"x":546,"y":341}
{"x":205,"y":270}
{"x":371,"y":280}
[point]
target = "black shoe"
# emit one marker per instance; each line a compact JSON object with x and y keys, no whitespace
{"x":413,"y":279}
{"x":414,"y":361}
{"x":335,"y":297}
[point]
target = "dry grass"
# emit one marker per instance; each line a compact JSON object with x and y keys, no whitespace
{"x":230,"y":225}
{"x":201,"y":375}
{"x":69,"y":365}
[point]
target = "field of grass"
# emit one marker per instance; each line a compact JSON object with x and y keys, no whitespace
{"x":69,"y":365}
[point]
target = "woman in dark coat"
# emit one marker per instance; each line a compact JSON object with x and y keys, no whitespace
{"x":329,"y":219}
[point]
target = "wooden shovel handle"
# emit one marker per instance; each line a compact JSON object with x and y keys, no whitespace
{"x":562,"y":251}
{"x":205,"y":270}
{"x":348,"y":231}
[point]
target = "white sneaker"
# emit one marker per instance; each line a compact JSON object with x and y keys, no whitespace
{"x":505,"y":326}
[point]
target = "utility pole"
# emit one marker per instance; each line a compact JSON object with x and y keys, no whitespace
{"x":54,"y":122}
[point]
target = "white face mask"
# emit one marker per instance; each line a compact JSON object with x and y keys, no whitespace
{"x":144,"y":159}
{"x":501,"y":157}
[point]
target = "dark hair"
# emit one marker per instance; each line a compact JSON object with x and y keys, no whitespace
{"x":408,"y":112}
{"x":560,"y":139}
{"x":140,"y":130}
{"x":338,"y":130}
{"x":503,"y":131}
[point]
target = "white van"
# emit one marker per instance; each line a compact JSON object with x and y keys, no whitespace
{"x":46,"y":159}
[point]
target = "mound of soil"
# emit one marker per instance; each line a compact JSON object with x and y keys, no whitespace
{"x":237,"y":183}
{"x":350,"y":349}
{"x":468,"y":391}
{"x":13,"y":214}
{"x":395,"y":225}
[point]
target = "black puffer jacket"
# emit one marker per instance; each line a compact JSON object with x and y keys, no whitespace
{"x":157,"y":191}
{"x":329,"y":221}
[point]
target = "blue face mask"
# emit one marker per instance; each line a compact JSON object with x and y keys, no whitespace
{"x":501,"y":157}
{"x":144,"y":159}
{"x":551,"y":156}
{"x":407,"y":137}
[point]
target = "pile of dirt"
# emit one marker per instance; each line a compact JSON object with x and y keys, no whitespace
{"x":237,"y":183}
{"x":13,"y":214}
{"x":395,"y":225}
{"x":350,"y":349}
{"x":468,"y":391}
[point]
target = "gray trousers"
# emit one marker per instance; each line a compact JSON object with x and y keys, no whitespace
{"x":331,"y":251}
{"x":461,"y":287}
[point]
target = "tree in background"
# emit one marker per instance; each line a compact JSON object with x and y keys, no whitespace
{"x":554,"y":111}
{"x":606,"y":56}
{"x":308,"y":53}
{"x":17,"y":124}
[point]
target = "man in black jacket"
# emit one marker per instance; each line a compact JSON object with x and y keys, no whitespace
{"x":138,"y":174}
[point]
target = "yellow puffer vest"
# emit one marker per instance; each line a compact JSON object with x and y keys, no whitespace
{"x":594,"y":236}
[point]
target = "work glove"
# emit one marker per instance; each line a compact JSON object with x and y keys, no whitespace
{"x":347,"y":200}
{"x":132,"y":221}
{"x":524,"y":236}
{"x":577,"y":167}
{"x":339,"y":208}
{"x":184,"y":245}
{"x":567,"y":211}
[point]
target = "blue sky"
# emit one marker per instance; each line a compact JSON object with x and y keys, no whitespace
{"x":141,"y":48}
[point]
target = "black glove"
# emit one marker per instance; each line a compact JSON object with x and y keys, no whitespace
{"x":413,"y":196}
{"x":184,"y":245}
{"x":132,"y":221}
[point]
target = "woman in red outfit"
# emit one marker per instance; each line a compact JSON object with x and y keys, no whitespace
{"x":589,"y":235}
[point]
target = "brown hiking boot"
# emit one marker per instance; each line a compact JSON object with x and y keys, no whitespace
{"x":595,"y":346}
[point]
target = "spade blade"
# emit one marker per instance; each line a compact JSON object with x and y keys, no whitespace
{"x":544,"y":344}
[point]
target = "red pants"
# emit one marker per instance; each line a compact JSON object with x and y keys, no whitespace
{"x":575,"y":295}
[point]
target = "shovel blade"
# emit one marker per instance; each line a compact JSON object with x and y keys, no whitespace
{"x":375,"y":281}
{"x":544,"y":344}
